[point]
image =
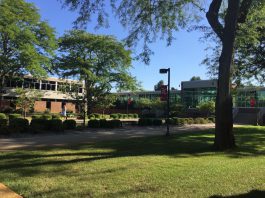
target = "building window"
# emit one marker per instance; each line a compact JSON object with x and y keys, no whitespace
{"x":48,"y":104}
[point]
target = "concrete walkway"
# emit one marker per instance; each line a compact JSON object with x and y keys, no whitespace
{"x":90,"y":135}
{"x":5,"y":192}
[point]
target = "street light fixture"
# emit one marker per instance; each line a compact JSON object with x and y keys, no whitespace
{"x":164,"y":71}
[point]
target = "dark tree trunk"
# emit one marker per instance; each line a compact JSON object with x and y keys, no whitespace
{"x":224,"y":137}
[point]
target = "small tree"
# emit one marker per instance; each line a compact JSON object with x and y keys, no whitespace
{"x":194,"y":78}
{"x":157,"y":87}
{"x":207,"y":107}
{"x":105,"y":101}
{"x":26,"y":99}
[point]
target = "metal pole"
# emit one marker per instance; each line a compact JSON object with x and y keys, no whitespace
{"x":168,"y":101}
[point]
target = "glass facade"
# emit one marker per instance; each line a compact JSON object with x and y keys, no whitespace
{"x":192,"y":97}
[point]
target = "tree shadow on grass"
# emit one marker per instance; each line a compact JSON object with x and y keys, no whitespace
{"x":181,"y":145}
{"x":251,"y":194}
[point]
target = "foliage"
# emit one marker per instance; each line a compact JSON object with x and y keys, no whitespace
{"x":27,"y":42}
{"x":18,"y":125}
{"x":36,"y":116}
{"x":69,"y":124}
{"x":26,"y":99}
{"x":249,"y":49}
{"x":157,"y":87}
{"x":46,"y":116}
{"x":208,"y":107}
{"x":145,"y":20}
{"x":194,"y":78}
{"x":3,"y":124}
{"x":100,"y":61}
{"x":56,"y":116}
{"x":13,"y":116}
{"x":93,"y":124}
{"x":2,"y":116}
{"x":38,"y":125}
{"x":55,"y":125}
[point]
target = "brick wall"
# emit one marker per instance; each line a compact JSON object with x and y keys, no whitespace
{"x":56,"y":107}
{"x":40,"y":106}
{"x":70,"y":107}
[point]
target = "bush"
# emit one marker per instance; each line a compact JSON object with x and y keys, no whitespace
{"x":207,"y":107}
{"x":46,"y":117}
{"x":18,"y":125}
{"x":97,"y":115}
{"x":103,"y":123}
{"x":114,"y":116}
{"x":145,"y":122}
{"x":135,"y":115}
{"x":69,"y":124}
{"x":190,"y":121}
{"x":36,"y":116}
{"x":3,"y":124}
{"x":94,"y":124}
{"x":212,"y":119}
{"x":114,"y":123}
{"x":130,"y":115}
{"x":56,"y":116}
{"x":2,"y":116}
{"x":13,"y":116}
{"x":180,"y":121}
{"x":55,"y":125}
{"x":157,"y":122}
{"x":38,"y":125}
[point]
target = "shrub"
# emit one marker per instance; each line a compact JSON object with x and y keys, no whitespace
{"x":18,"y":125}
{"x":170,"y":121}
{"x":145,"y":122}
{"x":55,"y":125}
{"x":36,"y":116}
{"x":180,"y":121}
{"x":56,"y":116}
{"x":212,"y":119}
{"x":46,"y":117}
{"x":103,"y":123}
{"x":97,"y":115}
{"x":135,"y":115}
{"x":190,"y":121}
{"x":69,"y":124}
{"x":2,"y":116}
{"x":91,"y":116}
{"x":114,"y":116}
{"x":114,"y":124}
{"x":13,"y":116}
{"x":38,"y":125}
{"x":3,"y":124}
{"x":207,"y":107}
{"x":119,"y":115}
{"x":157,"y":122}
{"x":94,"y":124}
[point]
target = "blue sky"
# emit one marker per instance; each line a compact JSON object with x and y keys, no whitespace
{"x":183,"y":56}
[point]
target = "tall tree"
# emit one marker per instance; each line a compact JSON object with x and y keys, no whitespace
{"x":100,"y":61}
{"x":249,"y":61}
{"x":194,"y":78}
{"x":26,"y":42}
{"x":146,"y":19}
{"x":157,"y":87}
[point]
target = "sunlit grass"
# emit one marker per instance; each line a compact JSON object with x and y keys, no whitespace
{"x":182,"y":165}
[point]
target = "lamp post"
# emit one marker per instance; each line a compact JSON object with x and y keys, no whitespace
{"x":164,"y":71}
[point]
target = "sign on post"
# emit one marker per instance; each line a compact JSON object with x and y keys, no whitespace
{"x":163,"y":95}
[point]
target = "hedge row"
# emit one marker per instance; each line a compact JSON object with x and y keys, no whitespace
{"x":150,"y":122}
{"x":182,"y":121}
{"x":103,"y":123}
{"x":20,"y":125}
{"x":123,"y":116}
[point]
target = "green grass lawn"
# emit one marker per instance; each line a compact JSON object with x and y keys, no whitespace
{"x":182,"y":165}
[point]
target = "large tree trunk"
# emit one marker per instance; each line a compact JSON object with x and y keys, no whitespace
{"x":224,"y":137}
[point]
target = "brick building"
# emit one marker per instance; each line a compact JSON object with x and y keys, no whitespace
{"x":55,"y":93}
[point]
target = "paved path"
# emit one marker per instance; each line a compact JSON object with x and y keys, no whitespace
{"x":5,"y":192}
{"x":90,"y":135}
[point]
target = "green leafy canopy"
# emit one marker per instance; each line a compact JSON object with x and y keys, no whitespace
{"x":26,"y":42}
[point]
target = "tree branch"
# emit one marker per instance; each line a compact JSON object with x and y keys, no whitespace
{"x":212,"y":17}
{"x":244,"y":10}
